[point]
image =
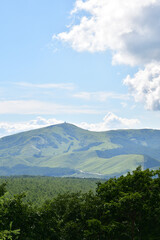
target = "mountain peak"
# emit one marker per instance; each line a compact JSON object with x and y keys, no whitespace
{"x":68,"y":127}
{"x":68,"y":146}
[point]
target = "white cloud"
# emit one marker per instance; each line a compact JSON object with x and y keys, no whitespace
{"x":100,"y":96}
{"x":39,"y":107}
{"x":124,"y":104}
{"x":145,"y":86}
{"x":7,"y":128}
{"x":110,"y":121}
{"x":130,"y":29}
{"x":65,"y":86}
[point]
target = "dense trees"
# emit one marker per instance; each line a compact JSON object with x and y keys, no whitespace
{"x":39,"y":189}
{"x":127,"y":207}
{"x":132,"y":205}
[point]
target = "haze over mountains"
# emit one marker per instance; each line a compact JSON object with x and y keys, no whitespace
{"x":66,"y":150}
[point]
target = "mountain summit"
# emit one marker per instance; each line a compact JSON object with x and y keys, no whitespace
{"x":67,"y":150}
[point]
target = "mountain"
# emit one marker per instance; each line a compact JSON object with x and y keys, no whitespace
{"x":66,"y":150}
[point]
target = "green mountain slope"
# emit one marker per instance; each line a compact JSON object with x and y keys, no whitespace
{"x":73,"y":151}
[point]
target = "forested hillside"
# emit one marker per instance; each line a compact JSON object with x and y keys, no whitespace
{"x":40,"y":189}
{"x":122,"y":208}
{"x":66,"y":150}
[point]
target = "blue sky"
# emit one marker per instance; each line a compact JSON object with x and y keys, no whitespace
{"x":92,"y":63}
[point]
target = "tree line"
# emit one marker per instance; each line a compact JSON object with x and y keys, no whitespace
{"x":123,"y":208}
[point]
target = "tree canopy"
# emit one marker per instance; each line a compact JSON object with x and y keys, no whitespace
{"x":124,"y":208}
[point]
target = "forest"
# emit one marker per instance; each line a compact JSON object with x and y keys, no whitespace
{"x":38,"y":189}
{"x":123,"y":208}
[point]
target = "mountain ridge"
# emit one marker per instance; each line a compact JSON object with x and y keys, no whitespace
{"x":67,"y":146}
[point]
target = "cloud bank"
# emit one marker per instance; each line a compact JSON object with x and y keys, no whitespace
{"x":7,"y":128}
{"x":110,"y":121}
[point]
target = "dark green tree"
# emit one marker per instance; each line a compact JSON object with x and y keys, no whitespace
{"x":132,"y":205}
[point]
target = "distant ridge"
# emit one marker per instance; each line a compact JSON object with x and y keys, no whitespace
{"x":77,"y":152}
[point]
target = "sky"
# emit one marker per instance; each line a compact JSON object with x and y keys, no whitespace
{"x":93,"y":63}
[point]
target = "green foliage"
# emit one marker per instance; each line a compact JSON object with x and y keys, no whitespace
{"x":6,"y":231}
{"x":9,"y":234}
{"x":133,"y":204}
{"x":124,"y":208}
{"x":45,"y":187}
{"x":2,"y":189}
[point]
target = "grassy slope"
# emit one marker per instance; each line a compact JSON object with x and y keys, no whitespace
{"x":66,"y":145}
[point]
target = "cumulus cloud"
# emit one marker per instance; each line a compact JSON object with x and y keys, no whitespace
{"x":130,"y":29}
{"x":110,"y":121}
{"x":145,"y":86}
